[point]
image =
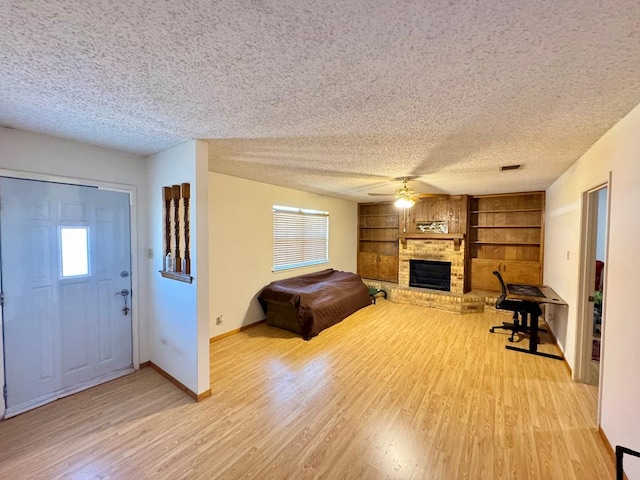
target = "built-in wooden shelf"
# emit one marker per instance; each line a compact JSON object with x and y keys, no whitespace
{"x":380,"y":215}
{"x":506,"y":226}
{"x":508,"y":210}
{"x":378,"y":256}
{"x":504,"y":243}
{"x":392,"y":228}
{"x":179,"y":276}
{"x":506,"y":236}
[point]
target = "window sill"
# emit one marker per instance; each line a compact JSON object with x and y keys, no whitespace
{"x":298,"y":265}
{"x":179,"y":276}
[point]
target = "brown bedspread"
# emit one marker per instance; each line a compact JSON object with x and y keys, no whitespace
{"x":320,"y":299}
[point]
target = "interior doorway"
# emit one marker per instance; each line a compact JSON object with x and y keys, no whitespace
{"x":66,"y":279}
{"x":594,"y":264}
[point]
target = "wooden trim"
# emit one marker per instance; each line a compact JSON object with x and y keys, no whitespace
{"x":145,"y":364}
{"x":197,"y":397}
{"x":489,"y":195}
{"x":237,"y":330}
{"x":433,"y":236}
{"x":508,"y":210}
{"x":456,"y":237}
{"x":203,"y":395}
{"x":611,"y":450}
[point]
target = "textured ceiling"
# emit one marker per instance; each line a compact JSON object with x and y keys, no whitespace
{"x":334,"y":97}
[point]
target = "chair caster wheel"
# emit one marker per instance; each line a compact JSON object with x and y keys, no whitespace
{"x":511,"y":339}
{"x":491,"y":330}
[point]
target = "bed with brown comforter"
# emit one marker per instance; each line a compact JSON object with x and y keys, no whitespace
{"x":307,"y":304}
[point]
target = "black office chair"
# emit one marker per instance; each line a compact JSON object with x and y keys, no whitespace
{"x":518,"y":307}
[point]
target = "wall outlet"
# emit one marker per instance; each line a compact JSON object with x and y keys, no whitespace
{"x":219,"y":320}
{"x":150,"y":253}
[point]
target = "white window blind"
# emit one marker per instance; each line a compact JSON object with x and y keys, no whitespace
{"x":300,"y":237}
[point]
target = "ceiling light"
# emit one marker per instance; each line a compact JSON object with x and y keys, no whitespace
{"x":404,"y":203}
{"x":405,"y":197}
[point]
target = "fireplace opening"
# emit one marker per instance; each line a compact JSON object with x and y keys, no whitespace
{"x":430,"y":274}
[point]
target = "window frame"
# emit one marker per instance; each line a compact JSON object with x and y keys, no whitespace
{"x":61,"y":250}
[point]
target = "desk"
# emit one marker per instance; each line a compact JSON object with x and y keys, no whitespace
{"x":537,"y":294}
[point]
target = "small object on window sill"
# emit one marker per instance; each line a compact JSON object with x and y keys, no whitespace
{"x":169,"y":265}
{"x":181,"y":277}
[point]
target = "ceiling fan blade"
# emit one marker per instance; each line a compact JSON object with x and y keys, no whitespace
{"x":432,"y":195}
{"x":407,"y":178}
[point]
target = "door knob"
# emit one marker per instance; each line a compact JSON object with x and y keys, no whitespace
{"x":125,"y":293}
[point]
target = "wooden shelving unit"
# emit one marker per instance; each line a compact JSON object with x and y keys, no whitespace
{"x":506,"y":233}
{"x":378,"y":228}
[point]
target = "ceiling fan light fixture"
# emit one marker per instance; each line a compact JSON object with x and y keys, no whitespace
{"x":405,"y":197}
{"x":404,"y":203}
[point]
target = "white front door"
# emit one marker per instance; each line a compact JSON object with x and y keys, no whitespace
{"x":65,"y":262}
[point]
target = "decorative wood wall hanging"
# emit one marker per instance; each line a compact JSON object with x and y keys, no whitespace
{"x":177,"y":259}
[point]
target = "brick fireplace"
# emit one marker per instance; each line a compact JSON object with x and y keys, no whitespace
{"x":435,"y":247}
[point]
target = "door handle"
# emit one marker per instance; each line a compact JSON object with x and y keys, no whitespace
{"x":125,"y":293}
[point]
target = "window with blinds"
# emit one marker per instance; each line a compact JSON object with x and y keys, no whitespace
{"x":300,"y":237}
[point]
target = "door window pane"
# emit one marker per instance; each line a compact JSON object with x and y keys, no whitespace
{"x":74,"y":251}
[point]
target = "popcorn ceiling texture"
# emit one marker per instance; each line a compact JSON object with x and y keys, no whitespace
{"x":333,"y":97}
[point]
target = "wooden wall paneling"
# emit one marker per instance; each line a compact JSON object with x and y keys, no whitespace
{"x":380,"y":225}
{"x":452,"y":209}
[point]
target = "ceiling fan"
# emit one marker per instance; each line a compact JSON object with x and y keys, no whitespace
{"x":405,"y":196}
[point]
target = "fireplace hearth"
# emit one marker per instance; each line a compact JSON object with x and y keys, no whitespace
{"x":430,"y":274}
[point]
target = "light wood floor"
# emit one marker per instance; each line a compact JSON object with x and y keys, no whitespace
{"x":393,"y":392}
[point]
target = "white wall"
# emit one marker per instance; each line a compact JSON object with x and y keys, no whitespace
{"x":200,"y":233}
{"x":179,"y":312}
{"x":617,"y":151}
{"x":40,"y":154}
{"x":241,"y":240}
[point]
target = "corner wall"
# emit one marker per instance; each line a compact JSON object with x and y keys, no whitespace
{"x":241,"y":239}
{"x":179,"y":312}
{"x":617,"y":151}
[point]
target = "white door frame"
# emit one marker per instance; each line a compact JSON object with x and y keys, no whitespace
{"x":133,"y":222}
{"x":585,"y":285}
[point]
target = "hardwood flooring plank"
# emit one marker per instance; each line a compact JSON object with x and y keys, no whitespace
{"x":392,"y":392}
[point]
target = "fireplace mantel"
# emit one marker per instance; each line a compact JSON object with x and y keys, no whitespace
{"x":455,"y":237}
